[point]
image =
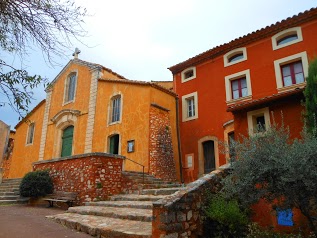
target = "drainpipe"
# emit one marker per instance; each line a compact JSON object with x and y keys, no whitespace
{"x":179,"y":142}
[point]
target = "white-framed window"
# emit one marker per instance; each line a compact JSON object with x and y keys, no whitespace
{"x":235,"y":56}
{"x":287,"y":37}
{"x":70,"y":88}
{"x":30,"y":134}
{"x":188,"y":74}
{"x":238,"y":86}
{"x":258,"y":121}
{"x":190,"y":106}
{"x":290,"y":72}
{"x":115,"y":109}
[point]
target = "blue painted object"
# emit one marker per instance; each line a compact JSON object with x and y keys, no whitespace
{"x":285,"y":217}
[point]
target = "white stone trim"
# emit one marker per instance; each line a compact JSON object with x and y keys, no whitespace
{"x":184,"y":106}
{"x":229,"y":78}
{"x":251,"y":114}
{"x":285,"y":33}
{"x":45,"y":124}
{"x":183,"y":79}
{"x":95,"y":74}
{"x":289,"y":59}
{"x":231,"y":53}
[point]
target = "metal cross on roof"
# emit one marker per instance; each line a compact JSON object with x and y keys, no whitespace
{"x":76,"y":53}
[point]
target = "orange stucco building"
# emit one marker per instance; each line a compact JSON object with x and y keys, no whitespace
{"x":89,"y":108}
{"x":241,"y":87}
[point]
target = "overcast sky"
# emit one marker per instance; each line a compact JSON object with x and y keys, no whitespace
{"x":140,"y":39}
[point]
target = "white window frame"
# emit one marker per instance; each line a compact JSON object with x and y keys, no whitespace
{"x":252,"y":114}
{"x":29,"y":140}
{"x":110,"y":109}
{"x":229,"y":78}
{"x":285,"y":33}
{"x":287,"y":60}
{"x":231,"y":53}
{"x":185,"y":98}
{"x":66,"y":87}
{"x":183,"y":73}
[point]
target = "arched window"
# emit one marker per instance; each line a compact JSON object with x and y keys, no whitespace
{"x":67,"y":141}
{"x":235,"y":56}
{"x":287,"y":37}
{"x":115,"y":109}
{"x":70,"y":87}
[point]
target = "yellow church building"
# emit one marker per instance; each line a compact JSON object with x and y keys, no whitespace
{"x":88,"y":109}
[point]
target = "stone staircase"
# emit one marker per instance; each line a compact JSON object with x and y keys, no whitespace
{"x":125,"y":215}
{"x":9,"y":192}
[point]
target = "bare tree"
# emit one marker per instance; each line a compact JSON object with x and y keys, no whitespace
{"x":47,"y":24}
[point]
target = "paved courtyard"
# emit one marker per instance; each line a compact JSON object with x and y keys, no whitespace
{"x":23,"y":221}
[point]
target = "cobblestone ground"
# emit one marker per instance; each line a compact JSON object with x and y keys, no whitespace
{"x":22,"y":221}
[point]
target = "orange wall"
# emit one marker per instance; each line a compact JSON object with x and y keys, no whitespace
{"x":135,"y":100}
{"x":24,"y":155}
{"x":210,"y":85}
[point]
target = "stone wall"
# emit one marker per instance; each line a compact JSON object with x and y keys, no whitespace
{"x":162,"y":163}
{"x":7,"y":159}
{"x":180,"y":214}
{"x":95,"y":176}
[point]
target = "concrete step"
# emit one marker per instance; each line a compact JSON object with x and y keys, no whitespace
{"x":125,"y":204}
{"x":9,"y":187}
{"x":136,"y":197}
{"x":105,"y":226}
{"x":14,"y":201}
{"x":134,"y":214}
{"x":160,"y":191}
{"x":10,"y":193}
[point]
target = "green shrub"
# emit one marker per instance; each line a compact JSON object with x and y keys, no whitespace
{"x":224,"y":218}
{"x":36,"y":184}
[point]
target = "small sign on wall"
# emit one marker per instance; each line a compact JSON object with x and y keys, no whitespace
{"x":285,"y":217}
{"x":189,"y":161}
{"x":130,"y":146}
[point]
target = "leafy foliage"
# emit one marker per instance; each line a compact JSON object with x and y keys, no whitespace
{"x":36,"y":184}
{"x":274,"y":167}
{"x":311,"y":97}
{"x":225,"y":218}
{"x":46,"y":24}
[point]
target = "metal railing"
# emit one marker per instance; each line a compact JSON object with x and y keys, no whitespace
{"x":138,"y":164}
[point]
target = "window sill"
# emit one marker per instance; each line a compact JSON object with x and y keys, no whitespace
{"x":190,"y":118}
{"x":242,"y":99}
{"x":65,"y":103}
{"x":114,"y":123}
{"x":291,"y":87}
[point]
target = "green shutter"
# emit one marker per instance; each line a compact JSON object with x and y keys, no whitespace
{"x":67,"y":141}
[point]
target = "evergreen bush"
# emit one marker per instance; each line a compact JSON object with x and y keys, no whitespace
{"x":36,"y":184}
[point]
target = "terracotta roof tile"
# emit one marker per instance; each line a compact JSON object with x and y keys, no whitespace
{"x":246,"y":39}
{"x":152,"y":84}
{"x":273,"y":97}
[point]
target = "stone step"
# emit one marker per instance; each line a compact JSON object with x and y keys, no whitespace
{"x":14,"y":201}
{"x":126,"y":204}
{"x":134,"y":214}
{"x":162,"y":185}
{"x":10,"y":193}
{"x":105,"y":226}
{"x":9,"y":197}
{"x":160,"y":191}
{"x":136,"y":197}
{"x":9,"y":187}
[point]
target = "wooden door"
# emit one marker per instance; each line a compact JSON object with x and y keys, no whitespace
{"x":67,"y":141}
{"x":209,"y":156}
{"x":114,"y":144}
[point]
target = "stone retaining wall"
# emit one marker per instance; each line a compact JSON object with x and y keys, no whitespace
{"x":180,"y":214}
{"x":95,"y":176}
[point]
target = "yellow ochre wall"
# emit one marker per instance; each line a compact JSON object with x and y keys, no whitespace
{"x":24,"y":155}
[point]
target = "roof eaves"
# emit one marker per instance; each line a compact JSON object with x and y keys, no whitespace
{"x":246,"y":39}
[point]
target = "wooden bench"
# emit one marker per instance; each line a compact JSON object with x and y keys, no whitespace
{"x":63,"y":197}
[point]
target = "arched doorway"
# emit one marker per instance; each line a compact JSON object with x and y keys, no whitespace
{"x":114,"y":144}
{"x":67,"y":141}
